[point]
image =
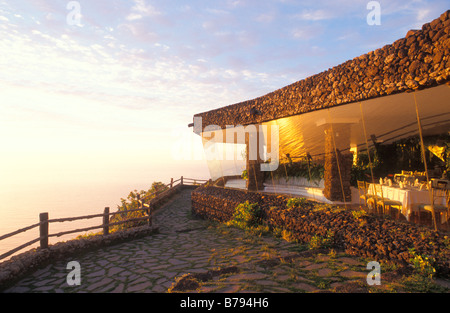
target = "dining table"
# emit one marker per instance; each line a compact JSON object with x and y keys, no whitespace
{"x":410,"y":196}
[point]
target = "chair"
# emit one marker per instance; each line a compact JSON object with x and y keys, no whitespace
{"x":380,"y":201}
{"x":362,"y":191}
{"x":442,"y":184}
{"x":409,"y":180}
{"x":441,"y":202}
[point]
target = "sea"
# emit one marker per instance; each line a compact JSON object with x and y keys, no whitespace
{"x":20,"y":206}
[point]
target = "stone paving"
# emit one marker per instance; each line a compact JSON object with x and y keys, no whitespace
{"x":188,"y":245}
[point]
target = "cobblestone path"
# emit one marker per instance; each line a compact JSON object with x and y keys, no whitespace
{"x":189,"y":245}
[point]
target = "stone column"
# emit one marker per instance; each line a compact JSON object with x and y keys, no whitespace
{"x":255,"y":181}
{"x":334,"y":190}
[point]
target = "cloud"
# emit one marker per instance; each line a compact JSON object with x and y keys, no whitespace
{"x":138,"y":30}
{"x":265,"y":18}
{"x":133,"y":16}
{"x":306,"y":32}
{"x":127,"y":56}
{"x":124,"y":76}
{"x":140,"y":10}
{"x":423,"y":15}
{"x":314,"y":15}
{"x":217,"y":11}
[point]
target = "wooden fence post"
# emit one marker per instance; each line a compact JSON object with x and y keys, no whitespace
{"x":106,"y":221}
{"x":181,"y":180}
{"x":171,"y":183}
{"x":150,"y":215}
{"x":43,"y":230}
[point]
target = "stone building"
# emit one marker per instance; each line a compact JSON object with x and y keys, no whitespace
{"x":376,"y":98}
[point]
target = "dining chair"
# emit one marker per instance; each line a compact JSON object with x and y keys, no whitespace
{"x":373,"y":200}
{"x":364,"y":195}
{"x":409,"y":180}
{"x":440,"y":204}
{"x":380,"y":201}
{"x":442,"y":184}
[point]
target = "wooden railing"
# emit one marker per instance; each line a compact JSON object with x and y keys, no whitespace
{"x":145,"y":203}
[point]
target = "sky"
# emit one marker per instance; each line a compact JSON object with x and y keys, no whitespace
{"x":103,"y":90}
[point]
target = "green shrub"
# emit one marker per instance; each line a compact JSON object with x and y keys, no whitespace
{"x":296,"y":202}
{"x":288,"y":235}
{"x":422,"y":265}
{"x":359,"y":214}
{"x":318,"y":242}
{"x":131,"y":203}
{"x":313,"y":172}
{"x":246,"y":215}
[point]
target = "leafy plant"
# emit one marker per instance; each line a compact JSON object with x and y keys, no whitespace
{"x":246,"y":215}
{"x":258,"y":230}
{"x":359,"y":214}
{"x":296,"y":202}
{"x":417,"y":283}
{"x":318,"y":242}
{"x":361,"y":170}
{"x":288,"y":235}
{"x":404,"y":154}
{"x":332,"y":254}
{"x":422,"y":265}
{"x":447,"y":242}
{"x":303,"y":168}
{"x":184,"y":283}
{"x":131,"y":203}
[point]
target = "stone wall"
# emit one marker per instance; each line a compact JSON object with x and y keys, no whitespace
{"x":419,"y":60}
{"x":213,"y":206}
{"x":337,"y":175}
{"x":337,"y":179}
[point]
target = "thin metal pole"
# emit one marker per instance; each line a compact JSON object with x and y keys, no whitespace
{"x":430,"y":193}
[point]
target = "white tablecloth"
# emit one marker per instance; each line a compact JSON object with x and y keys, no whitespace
{"x":410,"y":197}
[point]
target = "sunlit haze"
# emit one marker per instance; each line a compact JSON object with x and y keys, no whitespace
{"x":109,"y":98}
